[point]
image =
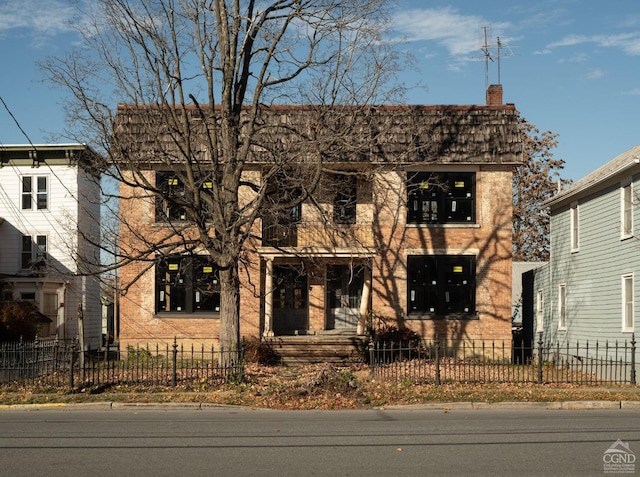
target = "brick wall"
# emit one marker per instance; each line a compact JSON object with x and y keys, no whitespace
{"x":385,"y":210}
{"x":489,"y":240}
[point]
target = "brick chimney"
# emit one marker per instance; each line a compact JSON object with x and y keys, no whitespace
{"x":494,"y":95}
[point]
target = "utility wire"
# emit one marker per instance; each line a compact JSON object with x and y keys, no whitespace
{"x":15,"y":120}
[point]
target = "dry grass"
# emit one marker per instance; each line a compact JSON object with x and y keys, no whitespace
{"x":318,"y":387}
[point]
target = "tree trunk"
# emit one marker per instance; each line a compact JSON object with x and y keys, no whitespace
{"x":230,"y":315}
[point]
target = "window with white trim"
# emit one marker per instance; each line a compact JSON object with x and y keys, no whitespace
{"x":34,"y":251}
{"x":562,"y":306}
{"x":575,"y":227}
{"x":34,"y":193}
{"x":540,"y":311}
{"x":627,"y":303}
{"x":626,"y":207}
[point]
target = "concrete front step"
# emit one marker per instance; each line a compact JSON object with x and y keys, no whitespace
{"x":325,"y":348}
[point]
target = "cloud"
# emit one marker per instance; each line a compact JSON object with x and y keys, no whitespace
{"x":577,"y":58}
{"x":38,"y":17}
{"x":596,"y":73}
{"x":460,"y":35}
{"x":629,"y":43}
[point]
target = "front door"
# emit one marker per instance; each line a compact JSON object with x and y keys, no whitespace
{"x":290,"y":300}
{"x":344,"y":289}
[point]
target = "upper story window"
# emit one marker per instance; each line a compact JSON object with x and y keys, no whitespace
{"x":626,"y":209}
{"x":344,"y":202}
{"x":169,"y":205}
{"x":175,"y":196}
{"x":34,"y":193}
{"x":575,"y":227}
{"x":187,"y":284}
{"x":441,"y":198}
{"x":441,"y":284}
{"x":34,"y":250}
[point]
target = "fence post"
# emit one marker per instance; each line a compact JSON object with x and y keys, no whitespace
{"x":437,"y":361}
{"x":174,"y":377}
{"x":372,"y":363}
{"x":73,"y":355}
{"x":633,"y":358}
{"x":540,"y":348}
{"x":37,"y":356}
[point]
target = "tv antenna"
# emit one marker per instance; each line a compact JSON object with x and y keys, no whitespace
{"x":487,"y":57}
{"x":500,"y":48}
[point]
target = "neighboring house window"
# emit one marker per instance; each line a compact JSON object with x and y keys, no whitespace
{"x":440,"y":198}
{"x":187,"y":284}
{"x":540,"y":311}
{"x":627,"y":303}
{"x":344,"y":202}
{"x":575,"y":228}
{"x":627,"y":210}
{"x":562,"y":306}
{"x":34,"y":192}
{"x":441,"y":284}
{"x":34,"y":250}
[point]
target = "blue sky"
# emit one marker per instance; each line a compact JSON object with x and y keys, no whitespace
{"x":569,"y":66}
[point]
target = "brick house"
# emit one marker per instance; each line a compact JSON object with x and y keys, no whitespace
{"x":416,"y":229}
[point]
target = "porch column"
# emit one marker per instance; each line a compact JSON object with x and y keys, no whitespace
{"x":364,"y":301}
{"x":268,"y":298}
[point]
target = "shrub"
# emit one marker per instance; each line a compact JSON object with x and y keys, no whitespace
{"x":18,"y":319}
{"x":380,"y":330}
{"x":382,"y":333}
{"x":259,"y":352}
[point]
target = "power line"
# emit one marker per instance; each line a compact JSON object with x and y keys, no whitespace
{"x":15,"y":120}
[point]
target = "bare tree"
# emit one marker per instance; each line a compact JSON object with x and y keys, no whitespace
{"x":201,"y":81}
{"x":534,"y":182}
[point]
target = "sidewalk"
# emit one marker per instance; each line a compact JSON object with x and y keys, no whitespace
{"x":444,"y":406}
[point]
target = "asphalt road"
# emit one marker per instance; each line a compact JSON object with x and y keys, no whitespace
{"x":243,"y":442}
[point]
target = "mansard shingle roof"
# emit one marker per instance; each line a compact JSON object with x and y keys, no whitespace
{"x":407,"y":134}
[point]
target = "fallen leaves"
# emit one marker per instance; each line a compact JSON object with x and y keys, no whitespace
{"x":325,"y":386}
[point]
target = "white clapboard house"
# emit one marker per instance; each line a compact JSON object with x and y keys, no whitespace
{"x":49,"y":231}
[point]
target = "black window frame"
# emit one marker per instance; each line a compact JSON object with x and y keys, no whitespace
{"x":441,"y":286}
{"x":173,"y":192}
{"x":435,"y":198}
{"x":345,"y":199}
{"x":187,"y":284}
{"x":170,"y":187}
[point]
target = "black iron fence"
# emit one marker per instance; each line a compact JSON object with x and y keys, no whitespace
{"x":62,"y":364}
{"x":467,"y":361}
{"x":27,"y":360}
{"x":57,"y":363}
